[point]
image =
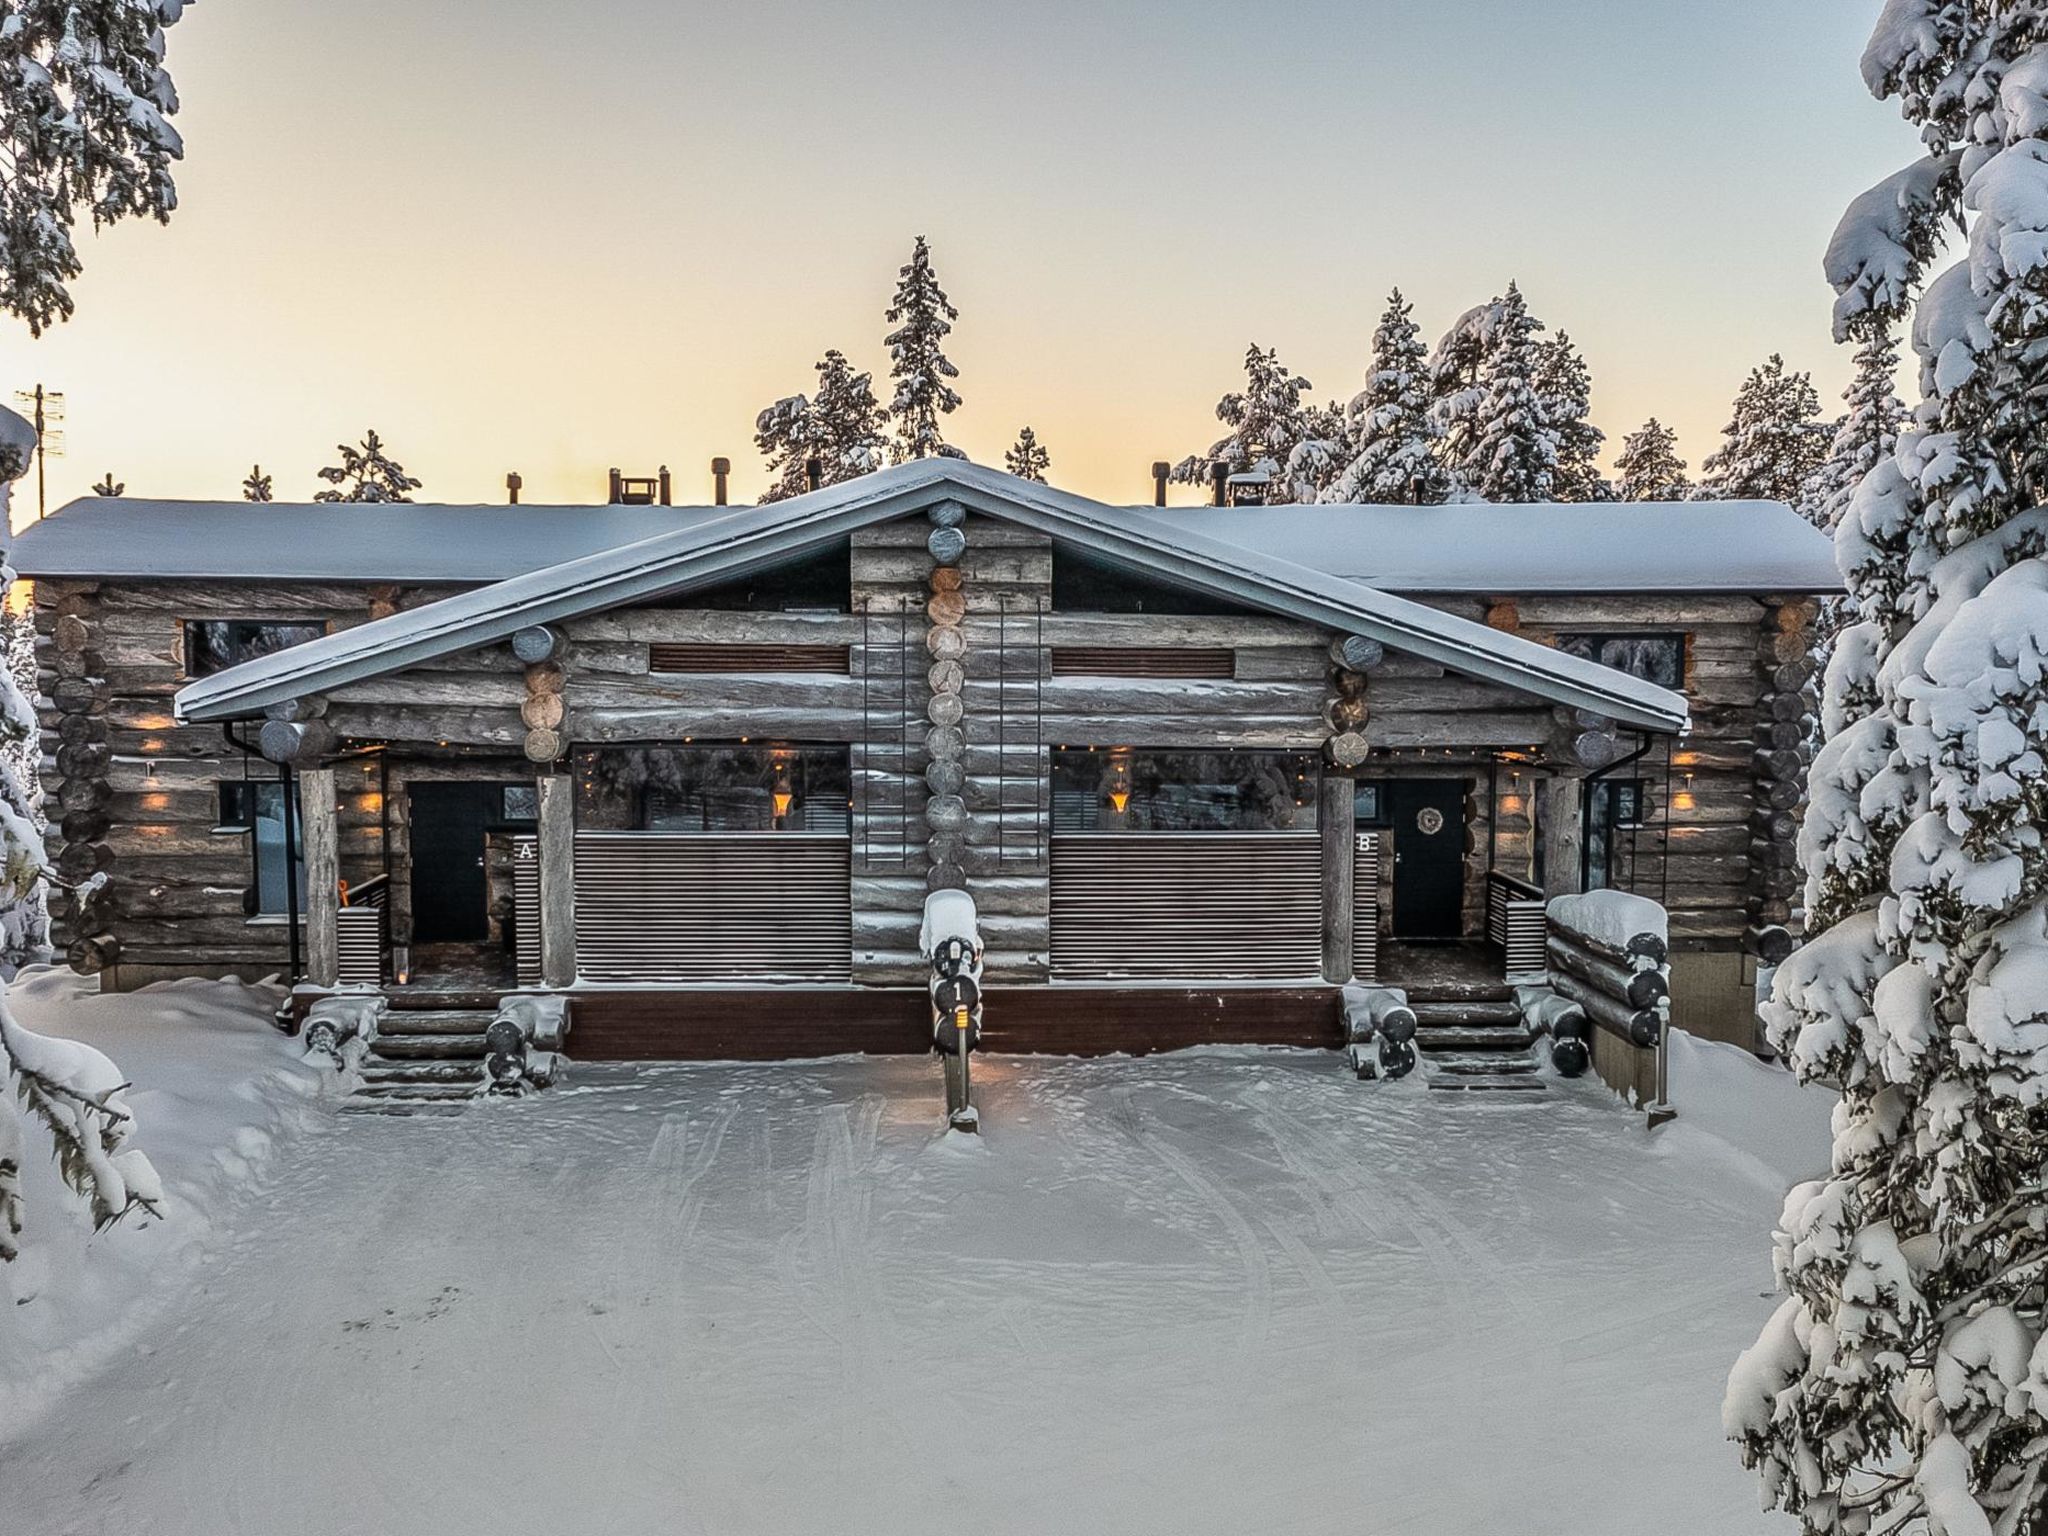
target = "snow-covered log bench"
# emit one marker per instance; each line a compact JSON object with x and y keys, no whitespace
{"x":1607,"y":952}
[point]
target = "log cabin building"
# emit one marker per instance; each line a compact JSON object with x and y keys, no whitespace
{"x":699,"y":766}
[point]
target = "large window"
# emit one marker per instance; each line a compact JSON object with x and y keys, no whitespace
{"x":256,"y":807}
{"x":1615,"y":808}
{"x":1658,"y":659}
{"x":1135,"y":789}
{"x":743,"y":788}
{"x":214,"y":645}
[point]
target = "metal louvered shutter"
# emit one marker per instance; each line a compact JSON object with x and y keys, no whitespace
{"x":1197,"y":906}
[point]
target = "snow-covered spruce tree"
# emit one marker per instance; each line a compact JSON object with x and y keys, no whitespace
{"x":1564,"y":385}
{"x":1391,"y":441}
{"x":1773,"y":442}
{"x":1027,"y":458}
{"x":109,"y":486}
{"x":1902,"y":1385}
{"x":74,"y":1091}
{"x":257,"y":486}
{"x":1649,"y":465}
{"x":366,"y":473}
{"x":1274,"y":431}
{"x":841,"y":426}
{"x":1868,"y":431}
{"x":918,"y":364}
{"x":85,"y":107}
{"x":1497,"y":437}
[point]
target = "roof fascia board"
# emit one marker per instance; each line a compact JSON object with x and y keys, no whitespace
{"x":755,"y":537}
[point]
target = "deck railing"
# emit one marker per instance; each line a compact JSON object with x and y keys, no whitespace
{"x":1515,"y":925}
{"x":360,"y":934}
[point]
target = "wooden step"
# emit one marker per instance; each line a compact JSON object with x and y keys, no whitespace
{"x":1484,"y":1064}
{"x":441,"y":1047}
{"x":1483,"y":1037}
{"x":1489,"y":1085}
{"x":424,"y":1092}
{"x":1478,"y":1011}
{"x":454,"y":1021}
{"x":375,"y":1071}
{"x":400,"y":1108}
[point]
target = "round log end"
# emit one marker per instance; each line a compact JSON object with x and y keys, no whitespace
{"x":1348,"y":749}
{"x":947,"y":545}
{"x":536,"y":643}
{"x":1771,"y":943}
{"x":543,"y":746}
{"x":947,"y":514}
{"x":1568,"y":1054}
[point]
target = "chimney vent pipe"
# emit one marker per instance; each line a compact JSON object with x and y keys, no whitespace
{"x":512,"y":486}
{"x":1160,"y":470}
{"x":720,"y":468}
{"x":661,"y":475}
{"x":814,"y":473}
{"x":1219,"y":484}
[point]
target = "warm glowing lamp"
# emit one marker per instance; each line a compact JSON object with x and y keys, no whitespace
{"x":782,"y":802}
{"x":1118,"y":799}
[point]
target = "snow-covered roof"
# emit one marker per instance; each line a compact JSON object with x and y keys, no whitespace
{"x":706,"y":551}
{"x":1689,"y":546}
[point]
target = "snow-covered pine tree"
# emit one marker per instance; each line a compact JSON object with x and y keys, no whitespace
{"x":841,"y":426}
{"x":1868,"y":431}
{"x":1027,"y":458}
{"x":1649,"y":465}
{"x":1902,"y":1385}
{"x":923,"y":318}
{"x":1391,"y":441}
{"x":1774,"y":439}
{"x":1564,"y":384}
{"x":71,"y":1089}
{"x":1273,"y":431}
{"x":85,"y":108}
{"x":1497,"y":435}
{"x":366,"y":473}
{"x":850,"y":428}
{"x":109,"y":486}
{"x":257,"y":486}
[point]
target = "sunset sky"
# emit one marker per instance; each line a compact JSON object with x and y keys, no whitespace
{"x":554,"y":238}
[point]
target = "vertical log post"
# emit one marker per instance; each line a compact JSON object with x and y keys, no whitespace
{"x":557,"y":879}
{"x":1336,"y":818}
{"x":1563,"y":830}
{"x":323,"y":876}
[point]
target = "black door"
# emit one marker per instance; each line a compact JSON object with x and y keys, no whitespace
{"x":1427,"y":818}
{"x":450,"y":899}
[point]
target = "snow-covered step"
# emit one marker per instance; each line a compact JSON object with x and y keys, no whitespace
{"x":1467,"y":1011}
{"x":1485,"y":1083}
{"x":424,"y":1092}
{"x":376,"y":1070}
{"x":1484,"y":1063}
{"x":435,"y":1021}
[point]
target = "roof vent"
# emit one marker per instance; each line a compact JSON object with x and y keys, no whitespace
{"x":639,"y":491}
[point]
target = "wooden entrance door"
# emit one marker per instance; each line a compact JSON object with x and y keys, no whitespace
{"x":1427,"y":818}
{"x":450,"y":895}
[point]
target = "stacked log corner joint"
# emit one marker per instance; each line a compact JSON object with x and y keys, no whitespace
{"x":1785,"y":731}
{"x":945,"y":811}
{"x":1379,"y":1031}
{"x":1624,"y":992}
{"x":539,"y":648}
{"x":1345,"y":711}
{"x":84,"y":760}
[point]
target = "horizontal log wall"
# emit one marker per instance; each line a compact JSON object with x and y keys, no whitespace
{"x":110,"y":658}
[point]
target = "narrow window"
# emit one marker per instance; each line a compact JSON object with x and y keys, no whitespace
{"x":255,"y":807}
{"x":1655,"y":658}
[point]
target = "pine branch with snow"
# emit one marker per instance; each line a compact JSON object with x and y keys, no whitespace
{"x":1497,"y":435}
{"x":1902,"y":1384}
{"x":1391,"y":439}
{"x":366,"y":473}
{"x":1026,"y":458}
{"x":1867,"y":433}
{"x":1564,"y":385}
{"x":73,"y":1091}
{"x":1774,"y":440}
{"x":923,"y":316}
{"x":85,"y":109}
{"x":840,"y":426}
{"x":1650,"y":467}
{"x":1274,"y":431}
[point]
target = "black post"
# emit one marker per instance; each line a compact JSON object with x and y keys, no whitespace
{"x":661,"y":480}
{"x":291,"y":879}
{"x":616,"y":493}
{"x":720,"y":468}
{"x":1219,"y":481}
{"x":512,"y":485}
{"x":1160,"y":470}
{"x":814,"y":473}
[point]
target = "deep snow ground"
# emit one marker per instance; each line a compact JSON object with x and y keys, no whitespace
{"x":1221,"y":1291}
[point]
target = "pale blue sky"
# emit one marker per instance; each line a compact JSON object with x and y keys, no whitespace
{"x":557,"y":237}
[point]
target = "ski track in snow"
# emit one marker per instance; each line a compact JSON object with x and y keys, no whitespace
{"x":1219,"y":1291}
